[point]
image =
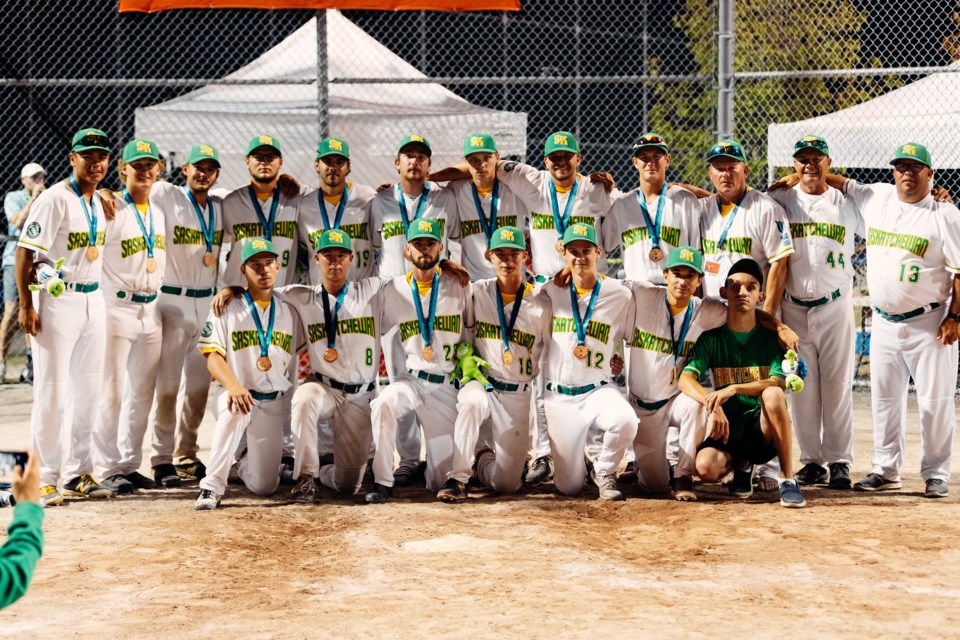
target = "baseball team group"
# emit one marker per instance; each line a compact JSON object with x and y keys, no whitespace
{"x":511,"y":355}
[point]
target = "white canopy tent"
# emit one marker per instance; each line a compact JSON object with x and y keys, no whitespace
{"x":866,"y":135}
{"x":371,"y":117}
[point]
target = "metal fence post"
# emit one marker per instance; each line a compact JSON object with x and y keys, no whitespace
{"x":725,"y":79}
{"x":323,"y":112}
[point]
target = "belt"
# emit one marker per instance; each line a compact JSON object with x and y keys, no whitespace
{"x":82,"y":287}
{"x":900,"y":317}
{"x":342,"y":386}
{"x":574,"y":391}
{"x":137,"y":297}
{"x":508,"y":386}
{"x":650,"y":406}
{"x":190,"y":293}
{"x":257,"y":395}
{"x":814,"y":303}
{"x":429,"y":377}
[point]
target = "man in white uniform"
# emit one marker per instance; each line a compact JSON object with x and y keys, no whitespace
{"x":249,"y":349}
{"x":66,"y":221}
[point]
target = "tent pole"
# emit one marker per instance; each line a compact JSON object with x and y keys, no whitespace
{"x":725,"y":80}
{"x":323,"y":123}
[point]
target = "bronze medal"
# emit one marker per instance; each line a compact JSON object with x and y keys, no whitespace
{"x":330,"y":354}
{"x":151,"y":265}
{"x":428,"y":353}
{"x":656,"y":255}
{"x":507,"y":357}
{"x":92,"y":253}
{"x":580,"y":352}
{"x":559,"y":245}
{"x":263,"y":363}
{"x":208,"y":259}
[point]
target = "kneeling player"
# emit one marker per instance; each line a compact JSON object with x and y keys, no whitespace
{"x":248,"y":352}
{"x":747,"y":422}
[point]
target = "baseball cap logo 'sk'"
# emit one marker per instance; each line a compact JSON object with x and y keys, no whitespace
{"x":910,"y":149}
{"x":336,"y":237}
{"x":686,"y":254}
{"x":424,"y":225}
{"x":476,"y":141}
{"x":259,"y":244}
{"x":506,"y":234}
{"x":416,"y":138}
{"x":336,"y":145}
{"x":206,"y":150}
{"x":143,"y":146}
{"x":579,"y":230}
{"x":266,"y":140}
{"x":558,"y":139}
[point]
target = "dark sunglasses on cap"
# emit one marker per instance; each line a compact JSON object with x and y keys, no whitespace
{"x":819,"y":145}
{"x":732,"y":149}
{"x":92,"y":140}
{"x":644,"y":140}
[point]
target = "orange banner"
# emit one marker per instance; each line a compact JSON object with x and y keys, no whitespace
{"x":152,"y":6}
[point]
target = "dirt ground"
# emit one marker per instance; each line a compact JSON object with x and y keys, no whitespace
{"x":529,"y":566}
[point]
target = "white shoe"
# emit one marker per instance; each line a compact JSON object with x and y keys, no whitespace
{"x":207,"y":500}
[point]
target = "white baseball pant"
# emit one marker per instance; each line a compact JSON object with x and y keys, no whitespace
{"x":653,"y":467}
{"x":408,"y":443}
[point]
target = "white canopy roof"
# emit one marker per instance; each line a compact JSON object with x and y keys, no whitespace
{"x":867,"y":135}
{"x":372,"y":118}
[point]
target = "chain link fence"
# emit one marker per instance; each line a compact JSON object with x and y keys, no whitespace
{"x":605,"y":70}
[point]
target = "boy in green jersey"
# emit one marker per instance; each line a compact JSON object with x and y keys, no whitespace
{"x":747,"y":422}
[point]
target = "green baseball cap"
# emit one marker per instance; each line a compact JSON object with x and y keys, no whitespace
{"x":424,"y":228}
{"x":334,"y":239}
{"x":138,"y":149}
{"x":811,"y":142}
{"x":913,"y":151}
{"x":88,"y":139}
{"x":203,"y":152}
{"x":580,"y":231}
{"x":415,"y":139}
{"x":685,"y":257}
{"x":508,"y":238}
{"x":650,"y":140}
{"x":727,"y":149}
{"x":333,"y":147}
{"x":479,"y":143}
{"x":253,"y":246}
{"x":561,"y":141}
{"x":264,"y":141}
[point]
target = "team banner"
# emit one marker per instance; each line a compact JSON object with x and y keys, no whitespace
{"x":152,"y":6}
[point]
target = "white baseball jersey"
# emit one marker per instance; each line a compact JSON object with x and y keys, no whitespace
{"x":234,"y":336}
{"x":511,"y":212}
{"x":527,"y":339}
{"x":913,"y":250}
{"x":240,"y":221}
{"x":389,"y":233}
{"x":650,"y":348}
{"x":355,"y":222}
{"x":625,"y":227}
{"x":357,"y":340}
{"x":604,"y":331}
{"x":125,"y":253}
{"x":186,"y":245}
{"x":397,"y":310}
{"x":56,"y":227}
{"x":758,"y":230}
{"x":822,"y":228}
{"x":591,"y":203}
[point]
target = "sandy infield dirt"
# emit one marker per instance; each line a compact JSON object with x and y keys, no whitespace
{"x":530,"y":566}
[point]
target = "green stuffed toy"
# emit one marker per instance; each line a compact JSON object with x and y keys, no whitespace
{"x":468,"y":366}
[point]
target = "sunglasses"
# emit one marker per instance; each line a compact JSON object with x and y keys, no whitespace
{"x":908,"y":167}
{"x":819,"y":145}
{"x":731,"y":149}
{"x":93,"y":140}
{"x":649,"y":140}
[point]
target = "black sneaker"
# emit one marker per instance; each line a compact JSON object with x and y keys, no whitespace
{"x":305,"y":491}
{"x":839,"y":475}
{"x":117,"y":484}
{"x":539,"y":471}
{"x":140,"y":481}
{"x":286,"y":470}
{"x":936,"y":488}
{"x":326,"y":460}
{"x":404,"y":476}
{"x":379,"y":494}
{"x":682,"y":489}
{"x":629,"y":475}
{"x":811,"y":473}
{"x":166,"y":476}
{"x":742,"y":484}
{"x":876,"y":482}
{"x":83,"y":486}
{"x":191,"y":471}
{"x":453,"y":491}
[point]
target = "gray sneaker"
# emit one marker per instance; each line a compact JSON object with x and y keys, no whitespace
{"x":936,"y":488}
{"x":790,"y":495}
{"x":876,"y":482}
{"x":207,"y":500}
{"x":7,"y":499}
{"x":607,"y":484}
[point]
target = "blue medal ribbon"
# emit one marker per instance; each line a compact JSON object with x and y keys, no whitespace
{"x":91,"y":217}
{"x":420,"y":205}
{"x":338,"y":216}
{"x":265,"y":337}
{"x":207,"y":229}
{"x":265,"y":223}
{"x":684,"y":328}
{"x":506,"y":330}
{"x":729,"y":221}
{"x":653,"y":228}
{"x":148,"y":238}
{"x":560,"y":223}
{"x":489,"y":226}
{"x":580,"y":324}
{"x":330,"y":316}
{"x":426,"y":325}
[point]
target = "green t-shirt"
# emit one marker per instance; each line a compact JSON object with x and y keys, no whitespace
{"x":736,"y":358}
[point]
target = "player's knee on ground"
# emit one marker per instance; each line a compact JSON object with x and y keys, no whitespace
{"x":711,"y":465}
{"x":263,"y":486}
{"x":571,"y":485}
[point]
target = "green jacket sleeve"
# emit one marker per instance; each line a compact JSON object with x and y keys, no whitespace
{"x":19,"y":555}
